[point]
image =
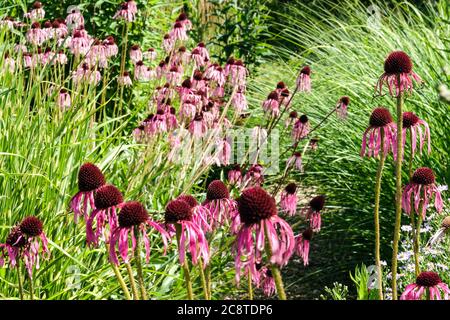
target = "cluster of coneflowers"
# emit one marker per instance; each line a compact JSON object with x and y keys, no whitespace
{"x":385,"y":136}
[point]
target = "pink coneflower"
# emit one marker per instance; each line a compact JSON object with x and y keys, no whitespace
{"x":35,"y":35}
{"x":59,"y":29}
{"x":140,"y":70}
{"x":219,"y":203}
{"x":126,"y":12}
{"x":198,"y":126}
{"x":124,"y":79}
{"x":48,"y":30}
{"x":181,"y":57}
{"x":235,"y":175}
{"x":90,"y":178}
{"x":37,"y":13}
{"x":135,"y":53}
{"x":288,"y":201}
{"x":301,"y":128}
{"x":28,"y":60}
{"x":174,"y":75}
{"x":302,"y":245}
{"x":304,"y":80}
{"x":254,"y":176}
{"x":150,"y":54}
{"x":191,"y":236}
{"x":272,"y":105}
{"x":24,"y":242}
{"x":414,"y":124}
{"x":429,"y":285}
{"x":200,"y":214}
{"x":198,"y":81}
{"x":223,"y":153}
{"x":178,"y":32}
{"x":257,"y":212}
{"x":132,"y":6}
{"x":422,"y":186}
{"x":397,"y":74}
{"x":215,"y":73}
{"x":342,"y":107}
{"x":85,"y":74}
{"x":96,"y":56}
{"x":78,"y":43}
{"x":441,"y":232}
{"x":239,"y":101}
{"x":64,"y":100}
{"x":291,"y":119}
{"x":236,"y":72}
{"x":313,"y":212}
{"x":314,"y":144}
{"x":380,"y":127}
{"x":267,"y":282}
{"x":9,"y":64}
{"x":111,"y":48}
{"x":74,"y":19}
{"x":8,"y":22}
{"x":133,"y":220}
{"x":60,"y":58}
{"x":296,"y":161}
{"x":168,"y":43}
{"x":107,"y":199}
{"x":185,"y":22}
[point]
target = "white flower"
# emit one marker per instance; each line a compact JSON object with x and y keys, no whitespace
{"x":406,"y":228}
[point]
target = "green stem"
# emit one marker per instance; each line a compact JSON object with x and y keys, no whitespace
{"x":119,"y":277}
{"x":187,"y":276}
{"x":137,"y":259}
{"x":398,"y":192}
{"x":132,"y":281}
{"x":276,"y":274}
{"x":30,"y":284}
{"x":377,"y":218}
{"x":19,"y":277}
{"x":203,"y":279}
{"x":416,"y":246}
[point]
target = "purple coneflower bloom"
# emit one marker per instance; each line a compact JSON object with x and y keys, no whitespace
{"x":37,"y":13}
{"x":296,"y":160}
{"x":254,"y":176}
{"x":90,"y":178}
{"x":342,"y":107}
{"x":168,"y":43}
{"x":219,"y":203}
{"x":79,"y":44}
{"x":23,"y":243}
{"x":272,"y":104}
{"x":302,"y":245}
{"x":36,"y":36}
{"x":111,"y":47}
{"x":239,"y":101}
{"x":301,"y":128}
{"x":178,"y":32}
{"x":442,"y":231}
{"x":124,"y":79}
{"x":380,"y":121}
{"x":191,"y":237}
{"x":422,"y":187}
{"x":107,"y":199}
{"x":150,"y":54}
{"x":304,"y":79}
{"x":288,"y":201}
{"x":126,"y":12}
{"x":198,"y":125}
{"x":183,"y":19}
{"x":74,"y":19}
{"x":64,"y":100}
{"x":235,"y":175}
{"x":133,"y":219}
{"x":397,"y":74}
{"x":135,"y":53}
{"x":292,"y":118}
{"x":257,"y":212}
{"x":429,"y":285}
{"x":200,"y":214}
{"x":414,"y":124}
{"x":313,"y":212}
{"x":267,"y":282}
{"x":236,"y":72}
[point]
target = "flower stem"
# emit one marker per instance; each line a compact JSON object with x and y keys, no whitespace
{"x":398,"y":191}
{"x":137,"y":259}
{"x":203,"y":279}
{"x":416,"y":245}
{"x":250,"y":286}
{"x":19,"y":277}
{"x":119,"y":277}
{"x":276,"y":274}
{"x":187,"y":276}
{"x":30,"y":284}
{"x":132,"y":281}
{"x":377,"y":218}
